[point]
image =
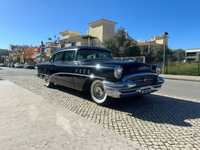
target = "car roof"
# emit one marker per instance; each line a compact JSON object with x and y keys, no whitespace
{"x":81,"y":48}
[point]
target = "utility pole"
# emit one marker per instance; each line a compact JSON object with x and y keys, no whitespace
{"x":42,"y":47}
{"x":165,"y":35}
{"x":198,"y":63}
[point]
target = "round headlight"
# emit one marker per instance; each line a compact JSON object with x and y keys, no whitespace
{"x":158,"y":70}
{"x":118,"y":72}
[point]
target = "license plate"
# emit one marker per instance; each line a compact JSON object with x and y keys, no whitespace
{"x":145,"y":91}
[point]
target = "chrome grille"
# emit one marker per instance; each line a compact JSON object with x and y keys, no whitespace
{"x":143,"y":80}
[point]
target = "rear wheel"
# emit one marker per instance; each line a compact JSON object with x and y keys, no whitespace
{"x":98,"y":92}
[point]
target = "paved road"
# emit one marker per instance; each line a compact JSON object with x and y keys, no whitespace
{"x":155,"y":121}
{"x":181,"y":89}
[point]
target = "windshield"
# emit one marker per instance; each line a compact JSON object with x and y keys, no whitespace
{"x":93,"y":54}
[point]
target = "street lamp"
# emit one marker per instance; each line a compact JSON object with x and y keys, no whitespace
{"x":165,"y":36}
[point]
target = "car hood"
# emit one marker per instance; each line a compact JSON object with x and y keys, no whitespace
{"x":128,"y":66}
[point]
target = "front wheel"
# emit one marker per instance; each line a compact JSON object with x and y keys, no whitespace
{"x":98,"y":92}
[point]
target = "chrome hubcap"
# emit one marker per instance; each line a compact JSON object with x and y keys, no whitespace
{"x":99,"y":92}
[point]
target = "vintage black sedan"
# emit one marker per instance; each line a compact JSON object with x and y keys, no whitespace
{"x":94,"y":70}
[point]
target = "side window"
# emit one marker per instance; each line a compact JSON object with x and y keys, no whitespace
{"x":58,"y":57}
{"x":69,"y":56}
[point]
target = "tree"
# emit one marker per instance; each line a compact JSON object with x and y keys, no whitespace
{"x":122,"y":45}
{"x":132,"y":51}
{"x":154,"y":56}
{"x":178,"y":55}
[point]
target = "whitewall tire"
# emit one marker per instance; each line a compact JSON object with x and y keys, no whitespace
{"x":98,"y":92}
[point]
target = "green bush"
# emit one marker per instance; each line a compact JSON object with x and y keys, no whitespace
{"x":183,"y":69}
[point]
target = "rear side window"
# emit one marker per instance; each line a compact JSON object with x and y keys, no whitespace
{"x":69,"y":56}
{"x":58,"y":57}
{"x":93,"y":54}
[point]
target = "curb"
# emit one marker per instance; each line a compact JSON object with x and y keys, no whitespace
{"x":183,"y":79}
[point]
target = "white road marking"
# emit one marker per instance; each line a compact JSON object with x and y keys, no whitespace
{"x":176,"y":97}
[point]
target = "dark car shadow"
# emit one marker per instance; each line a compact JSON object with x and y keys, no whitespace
{"x":82,"y":94}
{"x":153,"y":108}
{"x":159,"y":109}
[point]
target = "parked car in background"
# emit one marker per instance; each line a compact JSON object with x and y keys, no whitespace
{"x":18,"y":65}
{"x":2,"y":65}
{"x":29,"y":66}
{"x":94,"y":70}
{"x":11,"y":65}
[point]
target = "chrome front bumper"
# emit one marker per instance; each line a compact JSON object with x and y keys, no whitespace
{"x":127,"y":89}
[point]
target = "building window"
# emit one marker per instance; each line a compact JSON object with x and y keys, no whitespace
{"x":73,"y":44}
{"x":191,"y":54}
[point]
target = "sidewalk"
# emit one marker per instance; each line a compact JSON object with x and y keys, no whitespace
{"x":181,"y":77}
{"x":29,"y":121}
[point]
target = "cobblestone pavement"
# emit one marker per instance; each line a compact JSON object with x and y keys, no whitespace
{"x":155,"y":122}
{"x":30,"y":122}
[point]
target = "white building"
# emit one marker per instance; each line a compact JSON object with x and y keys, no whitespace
{"x":99,"y":31}
{"x":103,"y":29}
{"x":71,"y":38}
{"x":192,"y":54}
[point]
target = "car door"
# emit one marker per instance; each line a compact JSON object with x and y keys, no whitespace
{"x":83,"y":70}
{"x":67,"y":69}
{"x":57,"y":68}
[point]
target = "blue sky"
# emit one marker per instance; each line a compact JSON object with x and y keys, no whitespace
{"x":30,"y":21}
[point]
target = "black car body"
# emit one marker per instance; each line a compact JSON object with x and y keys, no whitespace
{"x":94,"y":69}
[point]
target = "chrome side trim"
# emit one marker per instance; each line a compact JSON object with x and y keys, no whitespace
{"x":91,"y":76}
{"x":84,"y":66}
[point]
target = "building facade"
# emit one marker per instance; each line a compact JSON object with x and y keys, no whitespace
{"x":155,"y":43}
{"x":51,"y":47}
{"x":71,"y":38}
{"x":103,"y":29}
{"x":30,"y":54}
{"x":192,"y":55}
{"x":22,"y":54}
{"x":68,"y":34}
{"x":3,"y":55}
{"x":99,"y":31}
